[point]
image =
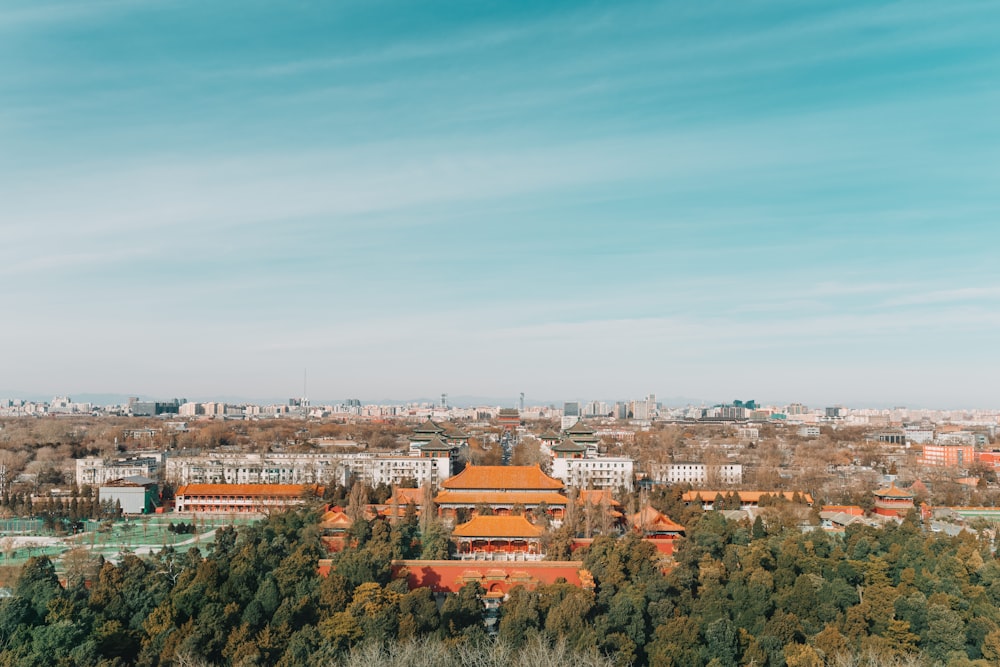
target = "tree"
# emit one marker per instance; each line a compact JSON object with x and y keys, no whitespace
{"x":463,"y":610}
{"x":722,"y":641}
{"x":38,"y":585}
{"x":357,"y":502}
{"x":945,"y":634}
{"x":519,"y":614}
{"x":418,"y":614}
{"x":435,"y":541}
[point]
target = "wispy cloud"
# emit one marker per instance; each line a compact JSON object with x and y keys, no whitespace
{"x":960,"y":295}
{"x":20,"y":15}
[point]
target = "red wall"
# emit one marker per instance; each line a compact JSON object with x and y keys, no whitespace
{"x":496,"y":577}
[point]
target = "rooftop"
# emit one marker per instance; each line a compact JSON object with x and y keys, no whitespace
{"x":269,"y":490}
{"x":497,"y":526}
{"x":526,"y":498}
{"x":488,"y":478}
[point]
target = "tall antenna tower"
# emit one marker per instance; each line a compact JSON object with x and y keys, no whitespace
{"x":305,"y":392}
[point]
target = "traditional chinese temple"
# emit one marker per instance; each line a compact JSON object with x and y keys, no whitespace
{"x":501,"y":488}
{"x":657,"y":528}
{"x":504,"y":536}
{"x":893,"y":501}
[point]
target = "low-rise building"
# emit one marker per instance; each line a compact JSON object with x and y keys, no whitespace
{"x":601,"y":472}
{"x":747,"y":499}
{"x":657,"y":528}
{"x":96,"y":470}
{"x":241,"y":498}
{"x":948,"y":455}
{"x":135,"y":495}
{"x":501,"y":488}
{"x":686,"y":472}
{"x":432,"y":464}
{"x":504,"y":536}
{"x":893,"y":501}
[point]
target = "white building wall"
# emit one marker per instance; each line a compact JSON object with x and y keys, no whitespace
{"x":283,"y":468}
{"x":132,"y":498}
{"x":595,"y":473}
{"x":94,"y":470}
{"x":697,"y":473}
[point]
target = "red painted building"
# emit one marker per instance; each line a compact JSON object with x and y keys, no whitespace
{"x":893,"y":501}
{"x":501,"y":488}
{"x":333,"y":526}
{"x":506,"y":536}
{"x":657,"y":528}
{"x":509,"y":418}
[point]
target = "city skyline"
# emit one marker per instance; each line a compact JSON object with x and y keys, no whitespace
{"x":763,"y":200}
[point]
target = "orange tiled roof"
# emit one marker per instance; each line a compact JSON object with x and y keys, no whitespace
{"x":499,"y":498}
{"x":853,"y":510}
{"x":487,"y":478}
{"x":596,"y":497}
{"x":386,"y":511}
{"x":333,"y":519}
{"x":745,"y":496}
{"x":497,"y":526}
{"x":265,"y":490}
{"x":651,"y":519}
{"x":405,"y":496}
{"x":893,"y":491}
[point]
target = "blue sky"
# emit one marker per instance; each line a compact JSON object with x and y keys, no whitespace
{"x":780,"y":200}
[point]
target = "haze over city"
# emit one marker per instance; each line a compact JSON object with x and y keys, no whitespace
{"x":771,"y":200}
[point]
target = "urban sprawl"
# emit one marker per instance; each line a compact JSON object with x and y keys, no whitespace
{"x":492,"y":504}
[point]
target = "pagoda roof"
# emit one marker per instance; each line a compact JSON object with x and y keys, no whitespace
{"x":567,"y":445}
{"x":893,"y":491}
{"x":497,"y":526}
{"x":579,"y":428}
{"x":650,"y":519}
{"x":488,"y":478}
{"x":335,"y":519}
{"x":549,"y":435}
{"x":456,"y":434}
{"x":403,"y":496}
{"x":526,"y":498}
{"x":429,"y":426}
{"x":436,"y":444}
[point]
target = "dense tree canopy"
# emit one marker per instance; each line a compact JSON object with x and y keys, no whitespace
{"x":737,"y":594}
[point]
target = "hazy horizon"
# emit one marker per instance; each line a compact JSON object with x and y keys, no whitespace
{"x":734,"y":200}
{"x":467,"y":401}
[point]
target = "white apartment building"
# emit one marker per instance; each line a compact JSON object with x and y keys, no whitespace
{"x":95,"y":470}
{"x":381,"y":469}
{"x":595,"y":473}
{"x":919,"y":435}
{"x":957,"y":438}
{"x":306,"y":468}
{"x":252,"y":468}
{"x":683,"y":472}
